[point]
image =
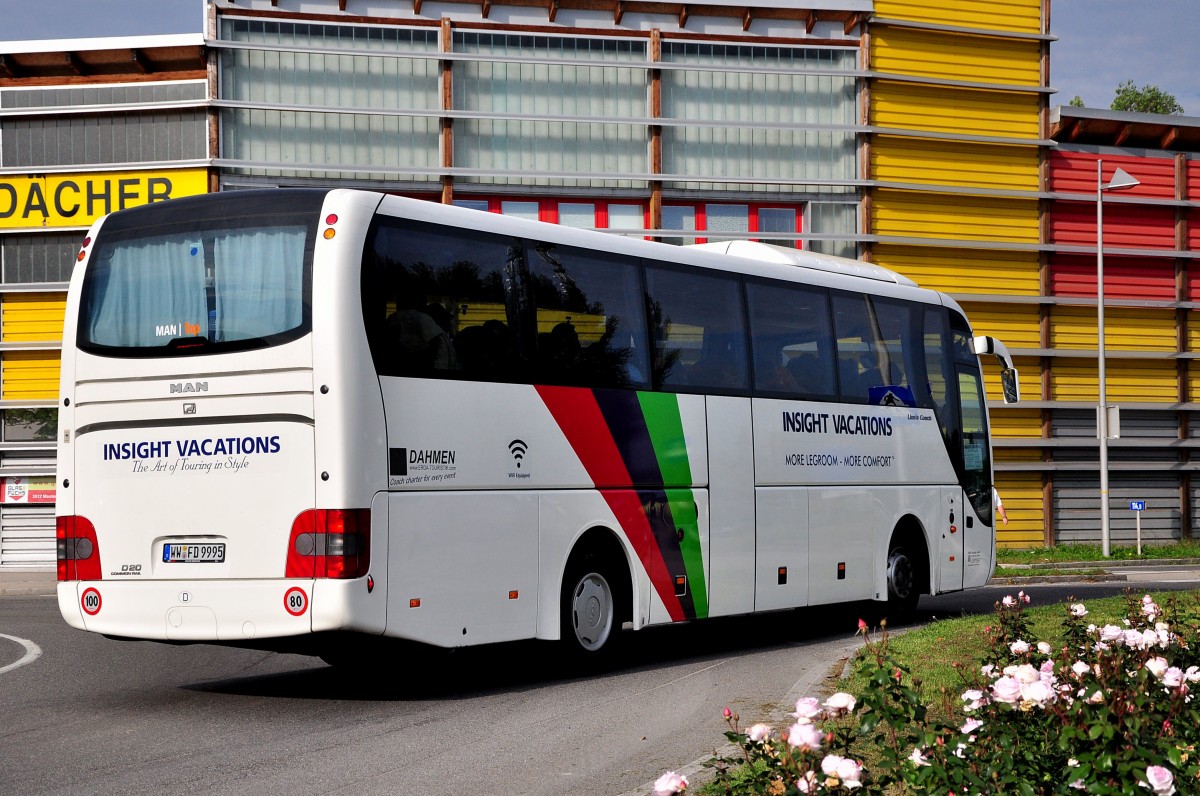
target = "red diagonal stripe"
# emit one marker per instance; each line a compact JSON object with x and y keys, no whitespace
{"x":579,"y":416}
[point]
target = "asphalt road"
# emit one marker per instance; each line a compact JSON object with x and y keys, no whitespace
{"x":86,"y":715}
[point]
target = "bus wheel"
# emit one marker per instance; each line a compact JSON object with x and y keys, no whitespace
{"x":903,"y":591}
{"x":590,"y":623}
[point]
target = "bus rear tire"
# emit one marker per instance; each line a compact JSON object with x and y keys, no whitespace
{"x":591,"y":610}
{"x":902,"y":580}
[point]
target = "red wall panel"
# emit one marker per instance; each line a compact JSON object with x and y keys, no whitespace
{"x":1125,"y":226}
{"x":1124,"y":277}
{"x":1075,"y":172}
{"x":1193,"y":180}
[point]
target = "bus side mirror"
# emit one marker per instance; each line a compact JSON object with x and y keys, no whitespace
{"x":1011,"y":385}
{"x":1009,"y":381}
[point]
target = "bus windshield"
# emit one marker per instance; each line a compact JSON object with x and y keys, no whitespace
{"x":166,"y":280}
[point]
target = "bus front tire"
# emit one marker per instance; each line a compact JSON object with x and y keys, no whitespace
{"x":903,"y":590}
{"x":591,"y":621}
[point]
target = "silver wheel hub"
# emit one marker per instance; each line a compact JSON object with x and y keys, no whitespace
{"x":592,"y":611}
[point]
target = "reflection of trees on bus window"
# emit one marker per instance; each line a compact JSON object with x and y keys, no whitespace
{"x":791,"y":340}
{"x":512,"y":310}
{"x":702,"y":333}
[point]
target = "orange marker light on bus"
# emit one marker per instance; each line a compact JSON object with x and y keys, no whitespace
{"x":512,"y":595}
{"x":329,"y":233}
{"x":415,"y":602}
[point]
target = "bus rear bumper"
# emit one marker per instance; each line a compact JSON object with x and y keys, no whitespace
{"x":208,"y":611}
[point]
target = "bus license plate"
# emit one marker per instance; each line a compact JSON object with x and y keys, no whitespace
{"x":192,"y":553}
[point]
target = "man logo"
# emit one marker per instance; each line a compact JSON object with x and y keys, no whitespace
{"x":517,"y":448}
{"x":189,"y":386}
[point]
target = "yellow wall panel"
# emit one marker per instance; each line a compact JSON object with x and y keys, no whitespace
{"x":32,"y":317}
{"x":954,"y":110}
{"x":957,"y":163}
{"x":1016,"y":423}
{"x":1017,"y":455}
{"x":1124,"y":329}
{"x":979,"y":59}
{"x":1193,"y":377}
{"x":1022,"y":496}
{"x":963,"y":270}
{"x":1023,"y":16}
{"x":1016,"y":325}
{"x":29,"y":375}
{"x":1028,"y":367}
{"x":955,"y":217}
{"x":1127,"y":381}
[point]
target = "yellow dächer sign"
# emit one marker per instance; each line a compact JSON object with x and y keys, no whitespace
{"x":76,"y":200}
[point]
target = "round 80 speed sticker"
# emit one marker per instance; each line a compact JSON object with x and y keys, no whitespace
{"x":295,"y":601}
{"x":90,"y":600}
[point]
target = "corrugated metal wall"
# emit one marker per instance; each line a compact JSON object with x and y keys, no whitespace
{"x":937,"y":209}
{"x":1022,"y":16}
{"x":963,"y":270}
{"x":1076,"y":506}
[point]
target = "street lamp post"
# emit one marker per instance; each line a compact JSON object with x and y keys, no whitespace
{"x":1120,"y":179}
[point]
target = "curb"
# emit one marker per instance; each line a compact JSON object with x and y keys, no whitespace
{"x":1109,"y":563}
{"x":1023,"y":580}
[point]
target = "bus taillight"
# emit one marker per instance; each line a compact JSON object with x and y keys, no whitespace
{"x":78,"y":551}
{"x":330,"y":543}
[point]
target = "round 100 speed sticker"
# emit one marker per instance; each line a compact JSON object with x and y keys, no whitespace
{"x":295,"y":601}
{"x":90,"y":601}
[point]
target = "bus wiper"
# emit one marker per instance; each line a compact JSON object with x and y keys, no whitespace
{"x":188,"y":342}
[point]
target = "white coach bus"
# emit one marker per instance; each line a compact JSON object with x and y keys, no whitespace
{"x":292,"y":418}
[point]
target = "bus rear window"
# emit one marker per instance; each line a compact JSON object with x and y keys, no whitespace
{"x":203,"y":275}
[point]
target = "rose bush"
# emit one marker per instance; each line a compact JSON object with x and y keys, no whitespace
{"x":1110,"y":711}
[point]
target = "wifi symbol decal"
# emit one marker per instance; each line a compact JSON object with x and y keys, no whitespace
{"x":517,"y":448}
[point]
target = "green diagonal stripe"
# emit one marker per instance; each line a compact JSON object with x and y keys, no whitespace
{"x":661,"y":412}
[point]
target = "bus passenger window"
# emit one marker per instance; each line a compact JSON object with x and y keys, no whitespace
{"x":434,"y":302}
{"x":590,"y":329}
{"x":791,"y":340}
{"x":699,"y":331}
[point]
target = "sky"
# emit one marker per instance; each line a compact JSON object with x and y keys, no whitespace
{"x":1101,"y":43}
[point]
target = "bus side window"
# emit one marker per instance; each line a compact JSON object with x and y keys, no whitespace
{"x":699,"y":331}
{"x":857,"y":365}
{"x":424,"y":287}
{"x":791,"y":340}
{"x":590,"y":327}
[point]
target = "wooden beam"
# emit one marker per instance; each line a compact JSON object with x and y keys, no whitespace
{"x":1168,"y":138}
{"x":487,"y":8}
{"x":553,"y":12}
{"x":852,"y":22}
{"x":74,"y":64}
{"x":8,"y":68}
{"x":139,"y":61}
{"x":618,"y":12}
{"x":341,"y":5}
{"x":1123,"y":136}
{"x":747,"y":18}
{"x":416,"y":6}
{"x":683,"y":15}
{"x":810,"y":22}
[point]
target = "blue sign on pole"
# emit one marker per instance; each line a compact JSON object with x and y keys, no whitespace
{"x":1137,"y":505}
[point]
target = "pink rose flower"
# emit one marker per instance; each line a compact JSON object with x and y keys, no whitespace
{"x":805,"y":736}
{"x":1159,"y":780}
{"x":807,"y":708}
{"x":1007,"y":690}
{"x":759,"y":733}
{"x":670,"y":783}
{"x":839,"y":704}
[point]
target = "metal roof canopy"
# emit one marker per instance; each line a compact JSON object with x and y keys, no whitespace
{"x":1098,"y":127}
{"x":115,"y":56}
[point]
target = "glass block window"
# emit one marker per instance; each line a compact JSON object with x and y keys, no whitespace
{"x":38,"y":258}
{"x":748,"y":108}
